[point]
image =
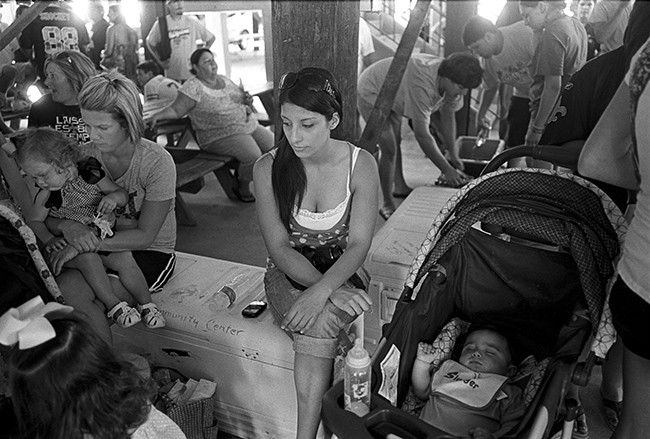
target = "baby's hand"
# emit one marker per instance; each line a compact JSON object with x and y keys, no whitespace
{"x":57,"y":243}
{"x":106,"y":205}
{"x":425,"y":352}
{"x":480,"y":433}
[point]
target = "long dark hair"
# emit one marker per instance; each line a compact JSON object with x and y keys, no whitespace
{"x":76,"y":384}
{"x":309,"y":91}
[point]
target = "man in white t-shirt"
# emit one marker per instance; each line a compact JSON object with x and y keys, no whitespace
{"x":159,"y":91}
{"x":506,"y":52}
{"x":429,"y":84}
{"x":183,"y":32}
{"x":608,"y":21}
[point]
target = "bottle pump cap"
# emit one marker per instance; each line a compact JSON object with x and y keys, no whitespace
{"x":358,"y":356}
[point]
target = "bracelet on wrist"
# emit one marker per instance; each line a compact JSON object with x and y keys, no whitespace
{"x":423,"y":361}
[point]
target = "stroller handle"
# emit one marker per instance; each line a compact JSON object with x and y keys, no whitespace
{"x":558,"y":155}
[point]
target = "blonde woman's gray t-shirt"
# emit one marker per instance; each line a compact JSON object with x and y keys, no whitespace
{"x":150,"y":176}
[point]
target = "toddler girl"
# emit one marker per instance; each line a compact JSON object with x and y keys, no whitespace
{"x":77,"y":188}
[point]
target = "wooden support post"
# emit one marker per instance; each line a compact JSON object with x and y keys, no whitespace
{"x":388,"y":91}
{"x":319,"y":34}
{"x":21,"y":23}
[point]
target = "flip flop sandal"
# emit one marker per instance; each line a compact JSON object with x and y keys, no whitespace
{"x":124,"y":315}
{"x":386,"y":212}
{"x":151,"y":316}
{"x":612,"y":412}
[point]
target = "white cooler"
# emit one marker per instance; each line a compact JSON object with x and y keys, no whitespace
{"x":393,"y":249}
{"x":250,"y":359}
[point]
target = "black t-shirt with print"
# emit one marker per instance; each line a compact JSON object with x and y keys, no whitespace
{"x":56,"y":29}
{"x":63,"y":118}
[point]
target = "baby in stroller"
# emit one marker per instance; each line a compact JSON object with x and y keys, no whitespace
{"x":472,"y":396}
{"x":529,"y":251}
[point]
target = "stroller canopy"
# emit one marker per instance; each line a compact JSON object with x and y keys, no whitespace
{"x":561,"y":209}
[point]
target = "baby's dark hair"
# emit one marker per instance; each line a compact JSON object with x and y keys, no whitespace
{"x":460,"y":343}
{"x":76,"y":384}
{"x":46,"y":145}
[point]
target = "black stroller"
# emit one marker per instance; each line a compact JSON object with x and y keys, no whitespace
{"x":530,"y":251}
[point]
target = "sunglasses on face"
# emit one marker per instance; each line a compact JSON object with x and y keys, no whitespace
{"x":311,"y":81}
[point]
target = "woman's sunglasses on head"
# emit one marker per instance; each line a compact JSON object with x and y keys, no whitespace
{"x":310,"y":80}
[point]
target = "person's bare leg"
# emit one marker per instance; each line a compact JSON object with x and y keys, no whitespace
{"x":388,"y":147}
{"x":635,"y":416}
{"x":78,"y":294}
{"x":312,"y":377}
{"x":611,"y":386}
{"x":92,"y":268}
{"x":399,"y":185}
{"x":130,"y":275}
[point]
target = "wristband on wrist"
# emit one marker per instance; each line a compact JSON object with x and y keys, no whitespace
{"x":425,"y":362}
{"x":536,"y":129}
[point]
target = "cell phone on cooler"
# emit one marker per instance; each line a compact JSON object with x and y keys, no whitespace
{"x":254,"y":309}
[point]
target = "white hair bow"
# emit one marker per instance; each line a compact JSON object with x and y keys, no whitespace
{"x":27,"y":325}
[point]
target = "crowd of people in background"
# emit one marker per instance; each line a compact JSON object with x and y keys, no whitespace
{"x":555,"y":73}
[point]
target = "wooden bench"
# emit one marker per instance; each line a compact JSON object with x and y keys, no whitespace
{"x":193,"y":164}
{"x":179,"y":132}
{"x":13,"y":117}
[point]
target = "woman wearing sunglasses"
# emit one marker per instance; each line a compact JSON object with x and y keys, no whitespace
{"x":317,"y":199}
{"x":221,"y":114}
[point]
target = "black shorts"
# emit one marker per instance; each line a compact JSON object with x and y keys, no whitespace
{"x":518,"y":119}
{"x":157,"y":267}
{"x":631,"y":315}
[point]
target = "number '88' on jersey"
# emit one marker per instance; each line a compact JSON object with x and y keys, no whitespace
{"x":57,"y":39}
